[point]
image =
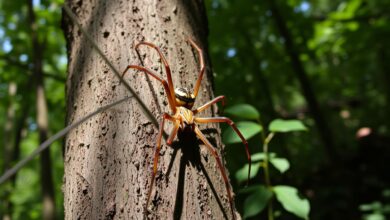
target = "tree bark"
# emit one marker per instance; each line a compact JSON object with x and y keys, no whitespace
{"x":108,"y":160}
{"x":47,"y":185}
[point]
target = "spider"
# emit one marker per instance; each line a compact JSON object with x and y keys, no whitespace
{"x":181,"y":101}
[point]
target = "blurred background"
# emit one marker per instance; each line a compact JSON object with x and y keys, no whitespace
{"x":325,"y":62}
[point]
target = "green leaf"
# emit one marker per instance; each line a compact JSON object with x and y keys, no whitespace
{"x":261,"y":156}
{"x":247,"y":128}
{"x":280,"y":125}
{"x":374,"y":206}
{"x":374,"y":216}
{"x":257,"y":201}
{"x":280,"y":164}
{"x":257,"y":156}
{"x":290,"y":200}
{"x":242,"y":174}
{"x":243,"y":111}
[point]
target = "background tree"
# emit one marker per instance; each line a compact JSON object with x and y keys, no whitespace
{"x":108,"y":160}
{"x":42,"y":116}
{"x":331,"y":38}
{"x":24,"y":25}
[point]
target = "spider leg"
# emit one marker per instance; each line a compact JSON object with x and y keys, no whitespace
{"x":231,"y":123}
{"x":208,"y":104}
{"x":171,"y":100}
{"x":174,"y":131}
{"x":166,"y":65}
{"x":157,"y":155}
{"x":202,"y":67}
{"x":219,"y":163}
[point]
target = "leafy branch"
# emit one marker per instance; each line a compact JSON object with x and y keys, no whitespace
{"x":261,"y":196}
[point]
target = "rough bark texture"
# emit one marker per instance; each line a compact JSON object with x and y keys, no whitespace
{"x":108,"y":160}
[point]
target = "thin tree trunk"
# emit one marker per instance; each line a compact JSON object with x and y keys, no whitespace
{"x":108,"y":160}
{"x":308,"y":92}
{"x":384,"y":66}
{"x":6,"y":205}
{"x":19,"y":131}
{"x":262,"y":80}
{"x":42,"y":120}
{"x":12,"y":155}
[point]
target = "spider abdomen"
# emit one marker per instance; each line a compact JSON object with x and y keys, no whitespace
{"x":184,"y":97}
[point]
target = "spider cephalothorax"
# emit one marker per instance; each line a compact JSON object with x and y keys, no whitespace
{"x":181,"y":101}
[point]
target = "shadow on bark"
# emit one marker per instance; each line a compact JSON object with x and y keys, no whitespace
{"x":189,"y":145}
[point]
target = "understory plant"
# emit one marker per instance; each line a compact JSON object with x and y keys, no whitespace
{"x":263,"y":193}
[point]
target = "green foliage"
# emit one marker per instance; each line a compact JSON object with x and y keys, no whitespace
{"x":242,"y":174}
{"x":247,"y":128}
{"x":261,"y":156}
{"x":261,"y":195}
{"x":344,"y":50}
{"x":16,"y":67}
{"x":280,"y":164}
{"x":280,"y":125}
{"x":257,"y":200}
{"x":291,"y":201}
{"x":376,"y":210}
{"x":244,"y":111}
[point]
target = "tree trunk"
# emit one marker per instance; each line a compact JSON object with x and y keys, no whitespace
{"x":384,"y":66}
{"x":108,"y":160}
{"x":11,"y":154}
{"x":6,"y":206}
{"x":42,"y":120}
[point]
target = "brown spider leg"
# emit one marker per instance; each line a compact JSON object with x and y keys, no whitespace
{"x":202,"y":67}
{"x":171,"y":101}
{"x":174,"y":131}
{"x":166,"y":65}
{"x":157,"y":152}
{"x":219,"y":163}
{"x":231,"y":123}
{"x":208,"y":104}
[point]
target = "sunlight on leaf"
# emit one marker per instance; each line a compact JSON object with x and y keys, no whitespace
{"x":290,"y":200}
{"x":374,"y":216}
{"x":371,"y":206}
{"x":260,"y":156}
{"x":243,"y":111}
{"x":280,"y":164}
{"x":280,"y":125}
{"x":247,"y":128}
